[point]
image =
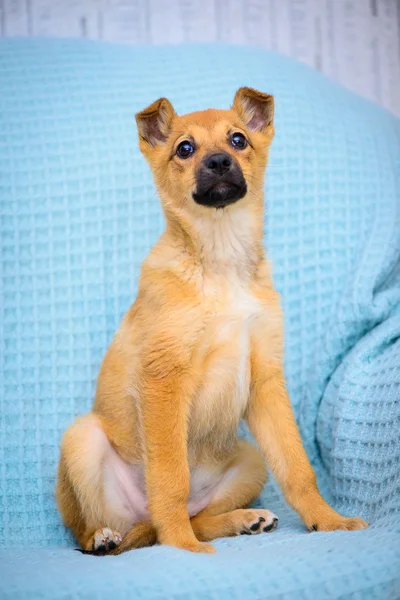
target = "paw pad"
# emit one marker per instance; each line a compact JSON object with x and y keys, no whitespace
{"x":271,"y":526}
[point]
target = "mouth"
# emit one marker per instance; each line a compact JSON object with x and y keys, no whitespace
{"x":220,"y":194}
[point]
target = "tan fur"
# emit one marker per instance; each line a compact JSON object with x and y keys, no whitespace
{"x":201,"y":348}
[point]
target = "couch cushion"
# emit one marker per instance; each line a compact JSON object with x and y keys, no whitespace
{"x":290,"y":565}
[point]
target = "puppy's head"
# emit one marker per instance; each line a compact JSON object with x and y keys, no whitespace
{"x":212,"y":158}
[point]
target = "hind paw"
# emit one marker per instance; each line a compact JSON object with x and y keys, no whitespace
{"x":103,"y":540}
{"x":253,"y":521}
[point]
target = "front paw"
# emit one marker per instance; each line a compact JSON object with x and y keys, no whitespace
{"x":190,"y":544}
{"x":337,"y":522}
{"x":198,"y":547}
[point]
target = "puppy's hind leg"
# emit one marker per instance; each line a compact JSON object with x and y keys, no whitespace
{"x":81,"y":484}
{"x":244,"y":478}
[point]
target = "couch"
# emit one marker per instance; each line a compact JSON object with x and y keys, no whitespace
{"x":79,"y":213}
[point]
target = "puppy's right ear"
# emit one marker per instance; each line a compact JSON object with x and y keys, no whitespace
{"x":154,"y":122}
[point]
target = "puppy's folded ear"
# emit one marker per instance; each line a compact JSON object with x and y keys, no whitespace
{"x":255,"y":109}
{"x":154,"y":122}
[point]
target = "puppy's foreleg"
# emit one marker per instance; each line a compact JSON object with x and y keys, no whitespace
{"x":271,"y":420}
{"x":166,"y":397}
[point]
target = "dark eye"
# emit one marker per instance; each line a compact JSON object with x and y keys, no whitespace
{"x":185,"y":149}
{"x":238,"y":141}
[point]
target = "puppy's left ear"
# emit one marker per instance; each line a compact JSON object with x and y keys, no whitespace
{"x":154,"y":122}
{"x":255,"y":109}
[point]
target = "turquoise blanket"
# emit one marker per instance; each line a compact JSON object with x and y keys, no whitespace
{"x":78,"y":215}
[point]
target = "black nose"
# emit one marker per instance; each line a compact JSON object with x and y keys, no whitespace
{"x":219,"y":163}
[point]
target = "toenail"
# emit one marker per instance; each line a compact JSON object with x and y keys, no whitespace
{"x":314,"y":527}
{"x":261,"y":520}
{"x":245,"y":533}
{"x":255,"y":526}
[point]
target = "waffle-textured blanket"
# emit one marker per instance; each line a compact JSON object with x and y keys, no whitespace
{"x":78,"y":215}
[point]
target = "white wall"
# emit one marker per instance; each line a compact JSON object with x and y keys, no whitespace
{"x":355,"y":42}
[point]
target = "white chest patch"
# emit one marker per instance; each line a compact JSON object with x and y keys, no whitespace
{"x":246,"y":307}
{"x":224,"y":348}
{"x":235,"y":307}
{"x":242,"y":303}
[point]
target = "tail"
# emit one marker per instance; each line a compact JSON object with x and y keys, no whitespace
{"x":139,"y":536}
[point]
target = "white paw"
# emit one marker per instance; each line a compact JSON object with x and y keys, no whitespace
{"x":105,"y":539}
